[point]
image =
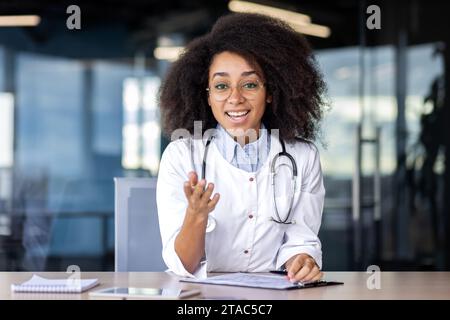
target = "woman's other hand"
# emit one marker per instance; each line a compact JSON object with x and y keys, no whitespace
{"x":302,"y":267}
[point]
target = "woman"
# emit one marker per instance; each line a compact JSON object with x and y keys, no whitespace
{"x":245,"y":91}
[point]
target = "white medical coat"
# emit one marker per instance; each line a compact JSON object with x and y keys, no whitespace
{"x":244,"y":239}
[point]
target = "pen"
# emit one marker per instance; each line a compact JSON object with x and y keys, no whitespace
{"x":283,"y":272}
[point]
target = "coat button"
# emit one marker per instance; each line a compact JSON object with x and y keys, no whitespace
{"x":245,"y":251}
{"x":250,"y":216}
{"x":251,"y":179}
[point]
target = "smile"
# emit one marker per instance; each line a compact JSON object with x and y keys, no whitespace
{"x":237,"y":114}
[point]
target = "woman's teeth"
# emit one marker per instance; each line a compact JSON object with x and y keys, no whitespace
{"x":234,"y":114}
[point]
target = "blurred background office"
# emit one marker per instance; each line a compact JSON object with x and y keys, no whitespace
{"x":78,"y":107}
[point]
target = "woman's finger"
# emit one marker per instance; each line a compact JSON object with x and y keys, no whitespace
{"x":307,"y":265}
{"x":295,"y":266}
{"x":187,"y":189}
{"x":208,"y":192}
{"x":302,"y":273}
{"x":213,"y":202}
{"x":318,"y":276}
{"x":312,"y":274}
{"x":193,"y":178}
{"x":198,"y":190}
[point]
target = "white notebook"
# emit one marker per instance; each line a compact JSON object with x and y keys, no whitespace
{"x":40,"y":284}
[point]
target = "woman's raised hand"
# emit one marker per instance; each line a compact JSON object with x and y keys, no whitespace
{"x":199,"y":198}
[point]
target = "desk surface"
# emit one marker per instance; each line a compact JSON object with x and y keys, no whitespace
{"x":394,"y":285}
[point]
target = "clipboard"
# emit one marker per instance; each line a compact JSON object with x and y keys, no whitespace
{"x":262,"y":281}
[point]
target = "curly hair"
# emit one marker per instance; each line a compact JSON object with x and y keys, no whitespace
{"x":292,"y":76}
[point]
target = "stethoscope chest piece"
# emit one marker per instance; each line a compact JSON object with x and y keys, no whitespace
{"x":211,"y":225}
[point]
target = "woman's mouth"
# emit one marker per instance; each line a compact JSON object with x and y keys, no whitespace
{"x":237,"y":116}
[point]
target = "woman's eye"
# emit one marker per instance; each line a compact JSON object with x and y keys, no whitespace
{"x":221,"y":86}
{"x":250,"y":85}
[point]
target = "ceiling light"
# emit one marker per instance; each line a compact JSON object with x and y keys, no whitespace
{"x":313,"y":30}
{"x":19,"y":21}
{"x":167,"y":53}
{"x":299,"y":22}
{"x":286,"y":15}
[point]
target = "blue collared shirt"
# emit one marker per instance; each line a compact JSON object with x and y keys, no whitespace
{"x":250,"y":157}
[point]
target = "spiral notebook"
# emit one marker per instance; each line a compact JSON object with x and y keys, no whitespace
{"x":40,"y":284}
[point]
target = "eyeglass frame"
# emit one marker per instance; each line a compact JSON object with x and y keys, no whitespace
{"x":261,"y":84}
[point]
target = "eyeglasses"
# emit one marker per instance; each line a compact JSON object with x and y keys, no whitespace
{"x":221,"y":90}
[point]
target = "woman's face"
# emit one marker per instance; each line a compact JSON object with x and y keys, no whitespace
{"x":243,"y":109}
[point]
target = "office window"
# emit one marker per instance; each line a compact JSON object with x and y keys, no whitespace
{"x":107,"y":106}
{"x":68,"y":150}
{"x":6,"y":129}
{"x":141,"y":128}
{"x":425,"y":94}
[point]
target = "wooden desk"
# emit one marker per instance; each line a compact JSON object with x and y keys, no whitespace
{"x":394,"y":285}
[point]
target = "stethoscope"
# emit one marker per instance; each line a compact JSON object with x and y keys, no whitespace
{"x":211,"y":225}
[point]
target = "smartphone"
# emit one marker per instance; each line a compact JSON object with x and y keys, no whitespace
{"x":144,"y":293}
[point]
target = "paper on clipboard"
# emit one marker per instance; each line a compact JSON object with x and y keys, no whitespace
{"x":258,"y":281}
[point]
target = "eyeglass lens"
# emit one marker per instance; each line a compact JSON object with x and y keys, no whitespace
{"x":221,"y":90}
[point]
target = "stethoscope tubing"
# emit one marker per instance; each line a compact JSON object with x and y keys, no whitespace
{"x":211,"y":221}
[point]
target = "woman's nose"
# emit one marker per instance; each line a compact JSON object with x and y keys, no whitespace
{"x":235,"y":96}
